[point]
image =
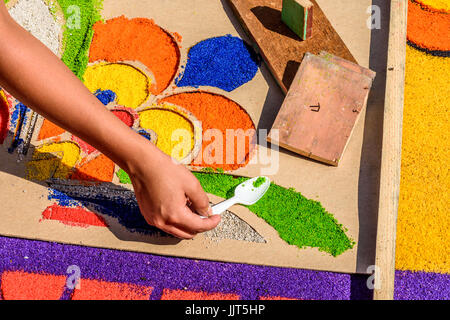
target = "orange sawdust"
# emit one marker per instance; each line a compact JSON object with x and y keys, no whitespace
{"x":217,"y":112}
{"x":169,"y":294}
{"x":103,"y":290}
{"x":139,"y":39}
{"x":49,"y":130}
{"x":99,"y":169}
{"x":19,"y":285}
{"x":428,"y":29}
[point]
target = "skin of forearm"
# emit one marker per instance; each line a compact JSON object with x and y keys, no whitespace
{"x":39,"y":79}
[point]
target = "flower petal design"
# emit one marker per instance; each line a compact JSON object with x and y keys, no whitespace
{"x":175,"y":131}
{"x":139,"y":39}
{"x":54,"y":160}
{"x":219,"y":115}
{"x":223,"y":62}
{"x":130,"y":84}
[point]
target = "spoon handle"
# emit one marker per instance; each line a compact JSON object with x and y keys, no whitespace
{"x":223,"y":206}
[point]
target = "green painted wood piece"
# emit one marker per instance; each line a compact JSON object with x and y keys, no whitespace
{"x":297,"y":15}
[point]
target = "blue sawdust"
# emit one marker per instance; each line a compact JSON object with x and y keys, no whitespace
{"x":105,"y":96}
{"x":122,"y":205}
{"x":18,"y":120}
{"x":225,"y":62}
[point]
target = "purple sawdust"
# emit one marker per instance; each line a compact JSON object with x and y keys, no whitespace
{"x":247,"y":281}
{"x":421,"y":286}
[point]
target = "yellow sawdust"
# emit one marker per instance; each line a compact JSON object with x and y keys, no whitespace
{"x":440,"y":5}
{"x":423,"y":229}
{"x":55,"y":160}
{"x":175,"y":132}
{"x":129,"y":83}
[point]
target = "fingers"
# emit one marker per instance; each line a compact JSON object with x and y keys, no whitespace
{"x":185,"y":224}
{"x":178,"y":233}
{"x":198,"y":198}
{"x":191,"y":222}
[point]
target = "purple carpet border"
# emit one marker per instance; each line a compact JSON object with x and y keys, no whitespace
{"x":248,"y":281}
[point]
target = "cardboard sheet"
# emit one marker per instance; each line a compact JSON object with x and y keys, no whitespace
{"x":349,"y":192}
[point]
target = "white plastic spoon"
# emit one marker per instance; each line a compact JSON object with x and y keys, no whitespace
{"x":246,"y":193}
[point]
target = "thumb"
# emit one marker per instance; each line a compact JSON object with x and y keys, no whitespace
{"x":199,"y":199}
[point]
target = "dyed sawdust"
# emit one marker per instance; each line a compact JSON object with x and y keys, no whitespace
{"x":423,"y":240}
{"x":19,"y":116}
{"x":86,"y":147}
{"x":248,"y":282}
{"x":166,"y":124}
{"x":103,"y":290}
{"x":124,"y":116}
{"x":139,"y":39}
{"x":49,"y":130}
{"x":428,"y":29}
{"x":54,"y":160}
{"x":77,"y":216}
{"x":223,"y":62}
{"x":18,"y":285}
{"x":258,"y":182}
{"x":123,"y":177}
{"x":130,"y":85}
{"x":100,"y":169}
{"x":440,"y":5}
{"x":222,"y":114}
{"x":4,"y":116}
{"x":196,"y":295}
{"x":77,"y":37}
{"x":299,"y":221}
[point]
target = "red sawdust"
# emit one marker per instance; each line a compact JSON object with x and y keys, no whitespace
{"x":102,"y":290}
{"x":49,"y":130}
{"x":18,"y":285}
{"x":77,"y":216}
{"x":194,"y":295}
{"x":99,"y":169}
{"x":124,"y":116}
{"x":86,"y":147}
{"x":217,"y":112}
{"x":427,"y":28}
{"x":4,"y":119}
{"x":138,"y":39}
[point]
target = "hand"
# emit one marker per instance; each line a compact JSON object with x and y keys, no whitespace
{"x":170,"y":197}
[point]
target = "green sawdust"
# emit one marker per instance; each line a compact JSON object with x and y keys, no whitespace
{"x":123,"y":177}
{"x":299,"y":221}
{"x":258,"y":182}
{"x":76,"y":41}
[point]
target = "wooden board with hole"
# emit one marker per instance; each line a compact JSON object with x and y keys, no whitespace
{"x":280,"y":47}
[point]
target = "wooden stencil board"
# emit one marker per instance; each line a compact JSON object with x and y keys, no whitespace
{"x":349,"y":192}
{"x":319,"y":113}
{"x":281,"y":48}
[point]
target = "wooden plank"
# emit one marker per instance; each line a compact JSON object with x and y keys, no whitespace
{"x":391,"y":154}
{"x":280,"y":47}
{"x":321,"y":108}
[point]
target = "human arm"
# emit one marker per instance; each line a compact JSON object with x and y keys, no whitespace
{"x":35,"y":76}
